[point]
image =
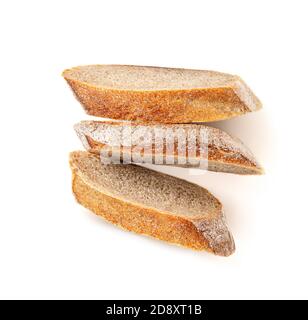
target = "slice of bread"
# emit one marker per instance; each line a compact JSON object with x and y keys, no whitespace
{"x":151,"y":203}
{"x":156,"y":143}
{"x":164,"y":95}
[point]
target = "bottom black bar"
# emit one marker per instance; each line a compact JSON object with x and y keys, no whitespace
{"x":163,"y":309}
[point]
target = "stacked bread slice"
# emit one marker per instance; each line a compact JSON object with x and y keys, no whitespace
{"x":162,"y":113}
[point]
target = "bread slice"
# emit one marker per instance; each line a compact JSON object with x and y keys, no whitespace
{"x":165,"y":95}
{"x":168,"y":144}
{"x":151,"y":203}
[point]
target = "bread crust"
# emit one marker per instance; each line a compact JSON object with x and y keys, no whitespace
{"x":211,"y":235}
{"x":165,"y":106}
{"x":224,"y":153}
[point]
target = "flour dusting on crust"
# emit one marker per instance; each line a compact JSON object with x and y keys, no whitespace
{"x":219,"y":143}
{"x":217,"y":234}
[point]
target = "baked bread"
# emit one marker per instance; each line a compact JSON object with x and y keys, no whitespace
{"x":151,"y":203}
{"x":164,"y":95}
{"x":168,"y":144}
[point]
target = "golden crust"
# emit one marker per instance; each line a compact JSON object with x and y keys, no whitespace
{"x":164,"y":106}
{"x":207,"y":233}
{"x":138,"y":219}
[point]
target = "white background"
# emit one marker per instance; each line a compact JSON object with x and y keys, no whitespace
{"x":50,"y":247}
